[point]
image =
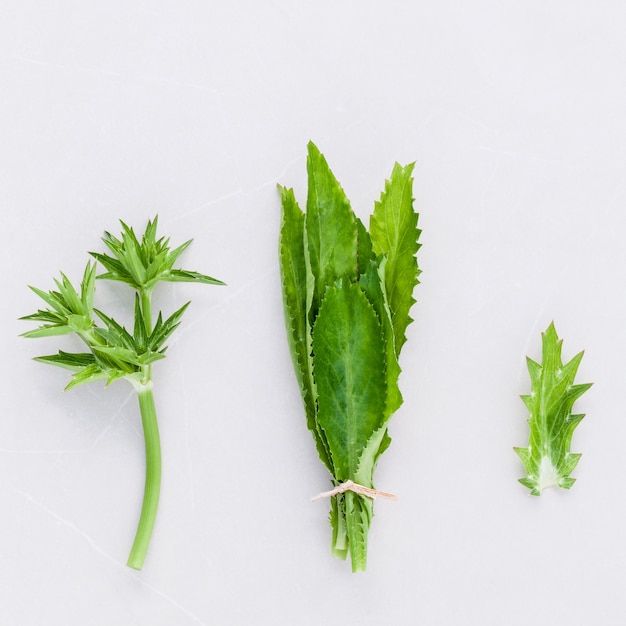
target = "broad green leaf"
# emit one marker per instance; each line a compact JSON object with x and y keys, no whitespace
{"x":394,"y":232}
{"x":293,"y":275}
{"x":547,"y":459}
{"x":330,"y":227}
{"x":349,"y":369}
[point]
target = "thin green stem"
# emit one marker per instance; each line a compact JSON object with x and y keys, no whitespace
{"x":153,"y":477}
{"x":146,"y":309}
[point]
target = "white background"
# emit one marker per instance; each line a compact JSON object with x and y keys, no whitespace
{"x":514,"y":113}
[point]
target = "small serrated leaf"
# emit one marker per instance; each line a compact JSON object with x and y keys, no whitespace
{"x":547,"y":459}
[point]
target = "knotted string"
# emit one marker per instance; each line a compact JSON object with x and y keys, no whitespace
{"x":350,"y":485}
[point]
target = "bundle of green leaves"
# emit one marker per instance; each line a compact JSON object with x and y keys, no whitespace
{"x":112,"y":351}
{"x":347,"y":294}
{"x":547,"y":459}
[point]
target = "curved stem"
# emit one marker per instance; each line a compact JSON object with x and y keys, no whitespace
{"x":153,"y":477}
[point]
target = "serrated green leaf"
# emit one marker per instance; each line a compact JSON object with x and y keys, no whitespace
{"x":394,"y":232}
{"x":369,"y":456}
{"x":372,"y":284}
{"x":294,"y":284}
{"x":330,"y":227}
{"x":349,"y":369}
{"x":365,"y":252}
{"x":547,"y":459}
{"x":359,"y":511}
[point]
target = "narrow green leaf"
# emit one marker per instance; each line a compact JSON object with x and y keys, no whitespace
{"x":293,"y":274}
{"x":88,"y":286}
{"x":116,"y":269}
{"x":359,"y":512}
{"x":163,"y":330}
{"x":48,"y":331}
{"x":369,"y":456}
{"x":68,"y":360}
{"x":337,"y":518}
{"x":174,"y":254}
{"x":50,"y":300}
{"x":331,"y":229}
{"x":372,"y":284}
{"x":140,"y":334}
{"x":89,"y":374}
{"x":394,"y":232}
{"x":185,"y":276}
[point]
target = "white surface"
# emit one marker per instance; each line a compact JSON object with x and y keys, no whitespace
{"x":514,"y":113}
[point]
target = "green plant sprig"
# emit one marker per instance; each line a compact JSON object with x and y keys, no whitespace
{"x":347,"y":294}
{"x":547,"y":460}
{"x":112,"y":351}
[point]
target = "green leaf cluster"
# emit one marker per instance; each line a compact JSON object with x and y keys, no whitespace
{"x":69,"y":310}
{"x":142,"y":264}
{"x":114,"y":352}
{"x":347,"y":293}
{"x":547,"y":460}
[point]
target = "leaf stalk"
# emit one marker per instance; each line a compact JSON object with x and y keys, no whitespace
{"x":153,"y":477}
